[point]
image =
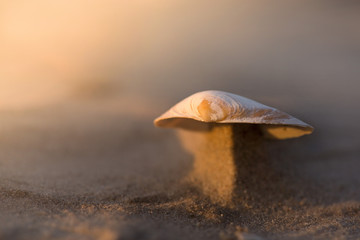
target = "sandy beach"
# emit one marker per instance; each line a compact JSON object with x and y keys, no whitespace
{"x":85,"y":170}
{"x":80,"y":87}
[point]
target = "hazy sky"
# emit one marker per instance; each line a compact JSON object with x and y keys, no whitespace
{"x":175,"y":47}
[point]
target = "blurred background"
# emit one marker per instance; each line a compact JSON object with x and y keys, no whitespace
{"x":82,"y":80}
{"x":139,"y":57}
{"x":301,"y":54}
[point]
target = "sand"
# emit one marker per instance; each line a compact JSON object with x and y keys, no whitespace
{"x":82,"y":169}
{"x":82,"y":81}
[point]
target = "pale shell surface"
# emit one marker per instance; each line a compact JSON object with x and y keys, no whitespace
{"x":223,"y":107}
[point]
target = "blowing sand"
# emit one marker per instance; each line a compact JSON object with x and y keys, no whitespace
{"x":85,"y":170}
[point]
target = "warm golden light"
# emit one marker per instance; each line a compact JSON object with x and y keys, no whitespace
{"x":81,"y":82}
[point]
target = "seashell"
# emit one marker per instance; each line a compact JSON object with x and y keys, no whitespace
{"x":223,"y":107}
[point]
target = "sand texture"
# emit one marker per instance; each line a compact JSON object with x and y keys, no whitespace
{"x":85,"y":170}
{"x":81,"y":83}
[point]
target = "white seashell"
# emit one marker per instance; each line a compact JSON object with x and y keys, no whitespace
{"x":224,"y":107}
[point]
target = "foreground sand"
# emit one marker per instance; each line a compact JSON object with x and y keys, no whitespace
{"x":100,"y":170}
